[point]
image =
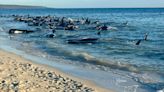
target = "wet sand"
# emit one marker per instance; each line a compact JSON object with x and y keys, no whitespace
{"x":20,"y":75}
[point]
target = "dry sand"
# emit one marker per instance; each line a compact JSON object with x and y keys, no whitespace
{"x":20,"y":75}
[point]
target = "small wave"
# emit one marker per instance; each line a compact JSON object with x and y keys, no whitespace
{"x":86,"y":57}
{"x":1,"y":29}
{"x":156,"y":86}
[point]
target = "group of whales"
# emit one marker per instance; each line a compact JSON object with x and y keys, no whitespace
{"x":54,"y":23}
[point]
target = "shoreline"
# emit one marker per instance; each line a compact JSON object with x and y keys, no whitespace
{"x":10,"y":57}
{"x":66,"y":58}
{"x":111,"y":81}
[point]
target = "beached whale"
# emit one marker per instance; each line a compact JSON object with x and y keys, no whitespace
{"x":19,"y":31}
{"x":82,"y":40}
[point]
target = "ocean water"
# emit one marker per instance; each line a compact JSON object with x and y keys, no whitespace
{"x":115,"y":49}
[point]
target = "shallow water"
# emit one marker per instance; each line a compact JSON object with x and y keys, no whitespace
{"x":114,"y":49}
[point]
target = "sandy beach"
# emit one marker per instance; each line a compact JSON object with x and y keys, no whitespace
{"x":21,"y":75}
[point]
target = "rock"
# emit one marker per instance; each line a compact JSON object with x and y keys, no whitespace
{"x":86,"y":89}
{"x":3,"y":81}
{"x":15,"y":83}
{"x":15,"y":86}
{"x":79,"y":85}
{"x":50,"y":75}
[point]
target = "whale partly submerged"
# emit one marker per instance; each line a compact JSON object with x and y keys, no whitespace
{"x":19,"y":31}
{"x":82,"y":40}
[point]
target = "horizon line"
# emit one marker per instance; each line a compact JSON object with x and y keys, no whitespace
{"x":72,"y":7}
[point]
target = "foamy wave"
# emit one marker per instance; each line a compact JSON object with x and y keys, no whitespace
{"x":84,"y":55}
{"x":99,"y":61}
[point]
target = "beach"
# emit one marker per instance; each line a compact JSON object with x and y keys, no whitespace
{"x":21,"y":75}
{"x":117,"y":49}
